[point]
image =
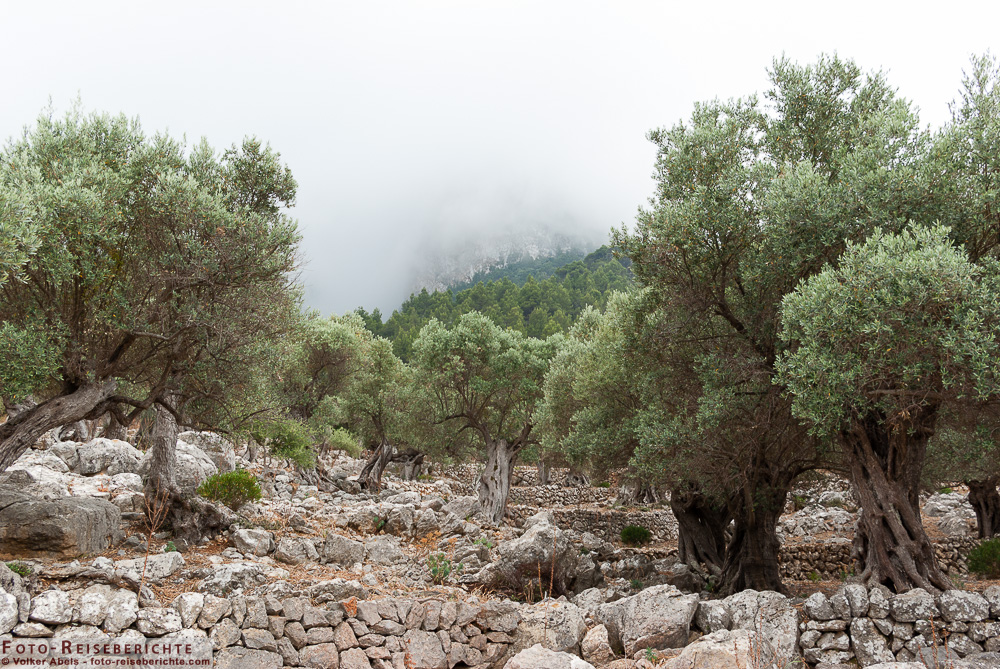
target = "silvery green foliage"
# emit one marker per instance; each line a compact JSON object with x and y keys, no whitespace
{"x":900,"y":320}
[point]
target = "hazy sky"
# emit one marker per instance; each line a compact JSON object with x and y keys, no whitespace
{"x":411,"y":124}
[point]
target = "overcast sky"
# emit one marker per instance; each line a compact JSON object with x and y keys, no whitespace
{"x":412,"y":124}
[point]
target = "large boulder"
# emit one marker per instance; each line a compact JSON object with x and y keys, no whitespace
{"x":193,"y":465}
{"x":658,"y":617}
{"x":542,"y":546}
{"x":771,"y":614}
{"x":107,"y":456}
{"x":558,"y":626}
{"x":253,"y":541}
{"x":220,"y":451}
{"x":340,"y":550}
{"x":65,"y":527}
{"x":726,"y":649}
{"x":538,"y":657}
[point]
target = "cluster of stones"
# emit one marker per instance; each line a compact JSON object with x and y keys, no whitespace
{"x":559,"y":495}
{"x":606,"y":524}
{"x":265,"y":631}
{"x":873,"y":626}
{"x":831,"y":559}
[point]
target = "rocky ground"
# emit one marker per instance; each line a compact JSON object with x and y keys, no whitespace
{"x":412,"y":577}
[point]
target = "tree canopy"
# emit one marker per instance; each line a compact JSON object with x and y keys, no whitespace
{"x":158,"y":270}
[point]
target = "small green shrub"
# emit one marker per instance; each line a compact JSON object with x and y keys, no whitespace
{"x":984,"y":560}
{"x":20,"y":568}
{"x":814,"y":576}
{"x":946,"y":491}
{"x":635,"y":535}
{"x":169,"y":547}
{"x":342,"y":440}
{"x":636,"y":584}
{"x":234,"y":489}
{"x":441,"y":567}
{"x":603,"y":484}
{"x":800,"y":502}
{"x":483,"y":541}
{"x":287,"y":439}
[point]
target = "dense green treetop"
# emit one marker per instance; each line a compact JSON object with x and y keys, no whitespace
{"x":158,"y":267}
{"x":903,"y":320}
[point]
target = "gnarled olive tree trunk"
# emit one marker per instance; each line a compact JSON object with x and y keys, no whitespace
{"x":190,"y":517}
{"x":701,"y":530}
{"x":371,"y":475}
{"x":20,"y":432}
{"x":751,"y":559}
{"x":891,"y":546}
{"x":115,"y":430}
{"x":494,"y":484}
{"x":984,"y":499}
{"x":412,"y":461}
{"x":543,"y":471}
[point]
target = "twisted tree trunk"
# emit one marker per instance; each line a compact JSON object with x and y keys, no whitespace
{"x":494,"y":484}
{"x":115,"y":430}
{"x":890,"y":545}
{"x":21,"y":431}
{"x":751,"y":558}
{"x":701,"y":530}
{"x":371,"y":475}
{"x":412,"y":461}
{"x":543,"y":472}
{"x":190,"y":517}
{"x":984,"y":499}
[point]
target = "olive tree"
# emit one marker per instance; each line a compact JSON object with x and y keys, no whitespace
{"x":882,"y":342}
{"x":752,"y":196}
{"x":487,"y":380}
{"x":158,"y":270}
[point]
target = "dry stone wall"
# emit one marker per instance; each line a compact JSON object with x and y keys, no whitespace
{"x":271,"y":631}
{"x":831,"y":559}
{"x":606,"y":525}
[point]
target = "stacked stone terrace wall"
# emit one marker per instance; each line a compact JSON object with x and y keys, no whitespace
{"x":559,"y":495}
{"x":826,"y":561}
{"x":872,"y":626}
{"x":604,"y":524}
{"x":268,"y":631}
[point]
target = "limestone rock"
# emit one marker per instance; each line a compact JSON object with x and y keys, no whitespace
{"x":658,"y":617}
{"x":917,"y":604}
{"x":712,"y":616}
{"x":424,"y":650}
{"x":61,"y":527}
{"x":770,"y":613}
{"x":123,"y":609}
{"x":538,"y":657}
{"x":92,"y":605}
{"x":342,"y":551}
{"x":189,"y":605}
{"x":107,"y":456}
{"x":296,"y":550}
{"x":159,"y":621}
{"x":322,"y":656}
{"x":958,"y":605}
{"x":556,"y":625}
{"x":8,"y":612}
{"x":868,"y":644}
{"x":726,"y":649}
{"x":220,"y":452}
{"x":243,"y":658}
{"x":52,"y":607}
{"x":596,"y":646}
{"x":253,"y":542}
